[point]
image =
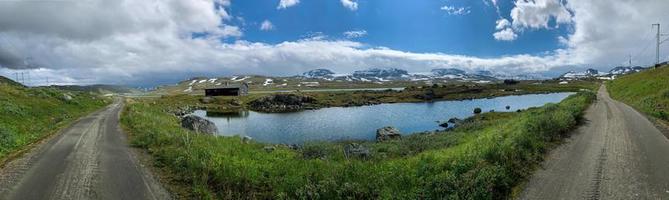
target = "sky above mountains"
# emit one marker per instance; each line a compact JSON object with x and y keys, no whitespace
{"x":154,"y":42}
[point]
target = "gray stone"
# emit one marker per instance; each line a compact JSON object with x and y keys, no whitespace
{"x":246,"y":139}
{"x":269,"y":149}
{"x":387,"y":133}
{"x":355,"y":150}
{"x":198,"y":124}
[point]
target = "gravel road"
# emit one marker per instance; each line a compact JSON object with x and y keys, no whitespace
{"x":90,"y":159}
{"x":616,"y":154}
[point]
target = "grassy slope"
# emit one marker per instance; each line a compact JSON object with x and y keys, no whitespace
{"x":29,"y":114}
{"x":482,"y":160}
{"x":647,"y":91}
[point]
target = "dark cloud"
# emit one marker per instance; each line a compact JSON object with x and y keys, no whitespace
{"x":12,"y":61}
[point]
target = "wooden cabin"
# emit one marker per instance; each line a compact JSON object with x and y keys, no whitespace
{"x":241,"y":89}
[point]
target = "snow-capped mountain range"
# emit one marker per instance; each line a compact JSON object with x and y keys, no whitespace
{"x":593,"y":73}
{"x":395,"y":74}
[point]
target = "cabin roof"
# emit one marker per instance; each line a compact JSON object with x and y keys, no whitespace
{"x":229,"y":86}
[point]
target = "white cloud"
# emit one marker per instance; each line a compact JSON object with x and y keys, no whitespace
{"x":350,"y":4}
{"x":139,"y":42}
{"x":504,"y":31}
{"x":537,"y":13}
{"x":502,"y":23}
{"x":283,"y":4}
{"x":266,"y":25}
{"x":505,"y":35}
{"x":355,"y":34}
{"x":452,"y":10}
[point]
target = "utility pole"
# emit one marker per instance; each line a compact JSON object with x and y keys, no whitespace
{"x":630,"y":60}
{"x":659,"y":41}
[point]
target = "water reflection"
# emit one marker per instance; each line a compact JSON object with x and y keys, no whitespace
{"x":360,"y":123}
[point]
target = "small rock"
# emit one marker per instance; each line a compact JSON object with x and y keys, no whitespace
{"x":67,"y":97}
{"x":236,"y":102}
{"x":198,"y":124}
{"x":269,"y":149}
{"x":246,"y":139}
{"x":356,"y":150}
{"x":455,"y":120}
{"x":508,"y":107}
{"x":387,"y":133}
{"x":477,"y":110}
{"x":206,"y":100}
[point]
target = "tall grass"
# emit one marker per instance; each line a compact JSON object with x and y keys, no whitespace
{"x":482,"y":160}
{"x":29,"y":114}
{"x":647,"y":91}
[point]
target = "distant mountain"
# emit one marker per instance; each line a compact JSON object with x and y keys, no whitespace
{"x":625,"y":70}
{"x":5,"y":80}
{"x":576,"y":75}
{"x":385,"y":73}
{"x":99,"y":88}
{"x":318,"y":73}
{"x":593,"y":73}
{"x":484,"y":73}
{"x":448,"y":71}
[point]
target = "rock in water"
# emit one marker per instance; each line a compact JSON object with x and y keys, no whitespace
{"x":198,"y":124}
{"x":356,"y":150}
{"x":387,"y":133}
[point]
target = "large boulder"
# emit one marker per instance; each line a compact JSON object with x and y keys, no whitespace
{"x":387,"y":133}
{"x":355,"y":150}
{"x":198,"y":124}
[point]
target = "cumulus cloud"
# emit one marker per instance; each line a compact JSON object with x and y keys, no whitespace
{"x":142,"y":42}
{"x":355,"y":34}
{"x":504,"y":31}
{"x":452,"y":10}
{"x":506,"y":34}
{"x":266,"y":25}
{"x":537,"y":13}
{"x":605,"y":33}
{"x":283,"y":4}
{"x":350,"y":4}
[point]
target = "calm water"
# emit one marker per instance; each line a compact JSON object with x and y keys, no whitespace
{"x":361,"y":122}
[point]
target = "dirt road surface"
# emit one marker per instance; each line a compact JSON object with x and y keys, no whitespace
{"x":616,"y":154}
{"x":90,"y":159}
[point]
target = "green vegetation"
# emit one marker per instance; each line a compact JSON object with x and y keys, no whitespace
{"x":410,"y":94}
{"x":647,"y":91}
{"x":481,"y":159}
{"x":29,"y":114}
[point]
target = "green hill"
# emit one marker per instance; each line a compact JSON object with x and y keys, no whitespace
{"x":100,"y":89}
{"x":647,"y":91}
{"x":29,"y":114}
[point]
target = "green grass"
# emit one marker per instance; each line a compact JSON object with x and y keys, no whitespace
{"x":483,"y":159}
{"x":647,"y":91}
{"x":29,"y":114}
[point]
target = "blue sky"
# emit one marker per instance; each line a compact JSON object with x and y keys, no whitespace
{"x":161,"y":42}
{"x":419,"y":26}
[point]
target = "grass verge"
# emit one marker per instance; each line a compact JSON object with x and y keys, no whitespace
{"x":483,"y":159}
{"x":647,"y":91}
{"x":30,"y":114}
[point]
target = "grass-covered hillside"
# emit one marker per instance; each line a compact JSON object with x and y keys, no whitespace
{"x":647,"y":91}
{"x":29,"y":114}
{"x":483,"y":159}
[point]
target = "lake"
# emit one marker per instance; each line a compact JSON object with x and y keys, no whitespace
{"x":360,"y":123}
